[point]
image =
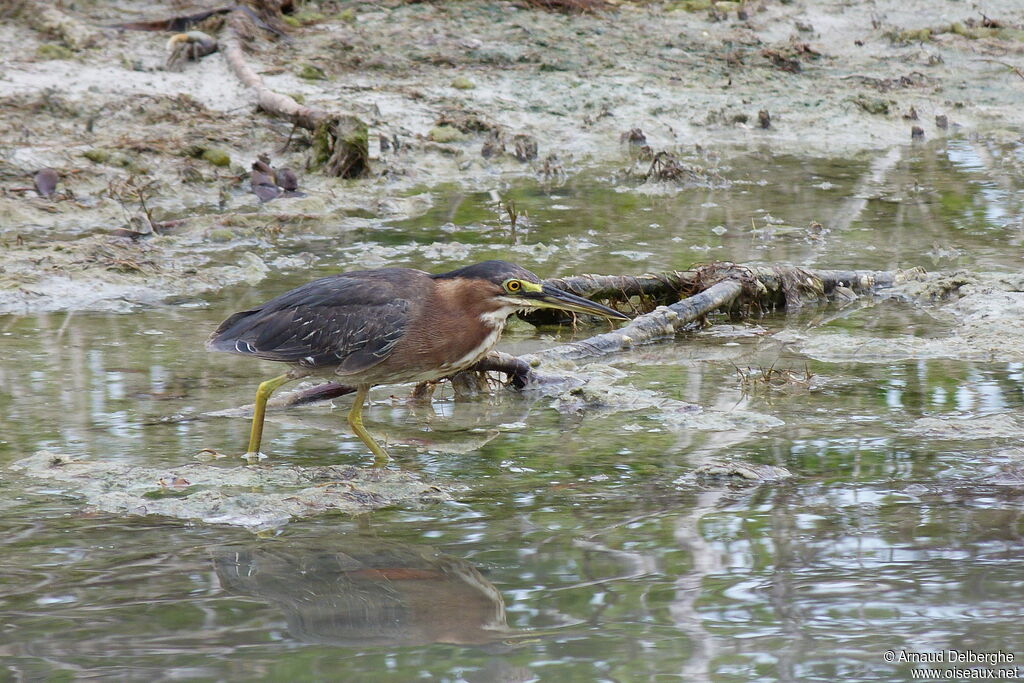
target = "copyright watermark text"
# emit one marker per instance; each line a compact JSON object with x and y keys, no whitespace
{"x":967,"y":664}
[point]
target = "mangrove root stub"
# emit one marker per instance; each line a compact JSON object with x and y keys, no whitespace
{"x":340,"y":141}
{"x":340,"y":144}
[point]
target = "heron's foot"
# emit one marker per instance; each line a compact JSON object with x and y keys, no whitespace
{"x":381,"y":459}
{"x":380,"y":452}
{"x":259,"y":411}
{"x":253,"y":457}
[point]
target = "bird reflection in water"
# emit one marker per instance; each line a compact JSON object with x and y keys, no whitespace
{"x":367,"y":592}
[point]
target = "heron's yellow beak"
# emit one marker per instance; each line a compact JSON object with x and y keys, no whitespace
{"x":546,"y":296}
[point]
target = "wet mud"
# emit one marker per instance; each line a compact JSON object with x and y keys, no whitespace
{"x":257,"y":497}
{"x":471,"y":92}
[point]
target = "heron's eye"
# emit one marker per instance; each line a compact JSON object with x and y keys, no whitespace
{"x":513,"y":285}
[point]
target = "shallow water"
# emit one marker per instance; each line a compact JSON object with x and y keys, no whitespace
{"x":583,"y":547}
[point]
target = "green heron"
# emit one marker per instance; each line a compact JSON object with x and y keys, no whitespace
{"x":386,"y":326}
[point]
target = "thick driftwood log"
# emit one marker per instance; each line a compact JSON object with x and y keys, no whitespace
{"x":611,"y":286}
{"x":340,"y":141}
{"x":797,"y":285}
{"x":666,"y":287}
{"x":863,"y":280}
{"x":677,"y":281}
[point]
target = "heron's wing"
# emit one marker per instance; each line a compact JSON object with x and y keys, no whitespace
{"x":345,"y":321}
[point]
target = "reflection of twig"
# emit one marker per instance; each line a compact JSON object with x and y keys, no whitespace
{"x":507,"y":209}
{"x":512,"y":213}
{"x":625,"y":522}
{"x":869,"y":183}
{"x":64,"y":325}
{"x":706,"y":560}
{"x":643,"y":565}
{"x":821,"y":320}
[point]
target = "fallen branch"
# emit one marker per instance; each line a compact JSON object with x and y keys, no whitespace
{"x":664,"y":321}
{"x":517,"y":370}
{"x":179,"y":23}
{"x":766,"y":287}
{"x":340,"y":141}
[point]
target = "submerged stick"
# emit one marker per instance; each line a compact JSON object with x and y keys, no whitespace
{"x":517,"y":370}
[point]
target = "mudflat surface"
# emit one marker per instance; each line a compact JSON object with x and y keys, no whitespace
{"x":437,"y":82}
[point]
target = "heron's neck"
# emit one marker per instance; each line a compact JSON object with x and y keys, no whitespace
{"x":495,"y":319}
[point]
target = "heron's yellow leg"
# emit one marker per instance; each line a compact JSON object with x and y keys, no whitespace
{"x":355,"y":420}
{"x":259,"y":411}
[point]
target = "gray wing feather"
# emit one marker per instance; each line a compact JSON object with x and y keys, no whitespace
{"x":350,"y":322}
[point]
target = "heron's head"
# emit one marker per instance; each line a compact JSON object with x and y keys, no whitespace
{"x":508,"y":288}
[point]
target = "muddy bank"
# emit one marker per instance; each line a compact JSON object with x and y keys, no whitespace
{"x":981,"y":313}
{"x":475,"y":93}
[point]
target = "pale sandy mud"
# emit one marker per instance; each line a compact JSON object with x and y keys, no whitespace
{"x":597,"y":397}
{"x":254,"y":496}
